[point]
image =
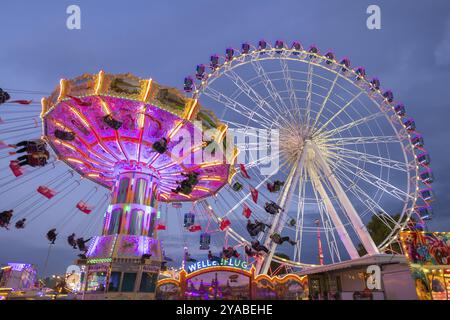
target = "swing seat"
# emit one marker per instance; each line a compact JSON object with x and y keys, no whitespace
{"x":225,"y":223}
{"x":83,"y":207}
{"x":177,"y":205}
{"x":15,"y":168}
{"x":195,"y":228}
{"x":247,"y":212}
{"x":46,"y":192}
{"x":160,"y":227}
{"x":244,"y":171}
{"x":254,"y":193}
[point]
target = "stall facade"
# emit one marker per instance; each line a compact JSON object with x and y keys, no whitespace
{"x":428,"y":254}
{"x":230,"y":279}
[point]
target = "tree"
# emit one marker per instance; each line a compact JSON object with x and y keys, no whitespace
{"x":379,"y":228}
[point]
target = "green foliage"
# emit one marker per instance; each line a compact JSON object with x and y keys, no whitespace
{"x":379,"y":228}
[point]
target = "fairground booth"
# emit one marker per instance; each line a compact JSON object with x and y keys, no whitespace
{"x":428,"y":254}
{"x":231,"y":279}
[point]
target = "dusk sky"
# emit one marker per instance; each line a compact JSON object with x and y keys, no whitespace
{"x":165,"y":40}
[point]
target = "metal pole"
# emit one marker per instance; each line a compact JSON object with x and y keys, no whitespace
{"x":319,"y":242}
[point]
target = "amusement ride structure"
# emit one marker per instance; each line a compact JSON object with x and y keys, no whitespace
{"x":325,"y":153}
{"x":121,"y":132}
{"x":348,"y":153}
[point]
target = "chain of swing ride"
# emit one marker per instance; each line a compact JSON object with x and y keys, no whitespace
{"x":20,"y":120}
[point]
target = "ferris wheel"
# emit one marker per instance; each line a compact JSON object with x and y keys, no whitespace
{"x":345,"y":154}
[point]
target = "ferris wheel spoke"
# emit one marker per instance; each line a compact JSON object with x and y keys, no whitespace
{"x":371,"y":204}
{"x":350,"y":102}
{"x":289,"y":84}
{"x":246,"y":144}
{"x":261,"y":160}
{"x":238,"y":107}
{"x":372,"y":179}
{"x":351,"y":125}
{"x":257,"y":162}
{"x":248,"y":130}
{"x":361,"y":140}
{"x":332,"y":245}
{"x":369,"y":158}
{"x":262,"y":104}
{"x":250,"y":146}
{"x":241,"y":131}
{"x":273,"y":92}
{"x":375,"y":207}
{"x":309,"y":92}
{"x":325,"y":100}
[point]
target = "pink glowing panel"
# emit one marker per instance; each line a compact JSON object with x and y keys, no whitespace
{"x":97,"y":149}
{"x":136,"y":246}
{"x":101,"y":247}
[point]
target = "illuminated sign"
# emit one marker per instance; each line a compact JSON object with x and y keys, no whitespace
{"x":19,"y":266}
{"x":233,"y":263}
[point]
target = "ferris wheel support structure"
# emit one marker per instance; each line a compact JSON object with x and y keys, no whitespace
{"x":355,"y":220}
{"x":331,"y":211}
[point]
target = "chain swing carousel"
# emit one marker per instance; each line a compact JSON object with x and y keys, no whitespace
{"x":120,"y":132}
{"x":125,"y":141}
